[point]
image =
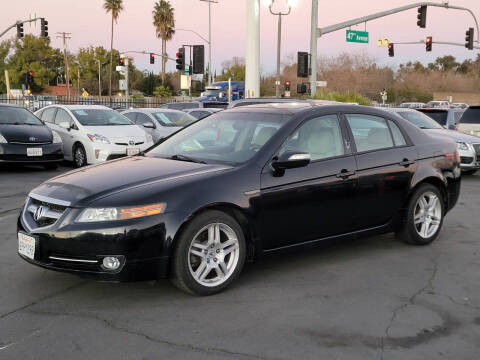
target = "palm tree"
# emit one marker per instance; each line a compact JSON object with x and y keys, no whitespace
{"x":114,"y":7}
{"x":164,"y":22}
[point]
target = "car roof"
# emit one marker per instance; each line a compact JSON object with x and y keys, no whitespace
{"x":152,"y":110}
{"x":292,"y":108}
{"x":11,"y":105}
{"x":79,"y":107}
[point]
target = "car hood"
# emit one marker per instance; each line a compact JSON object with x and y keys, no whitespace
{"x":118,"y":131}
{"x":26,"y":133}
{"x":452,"y":134}
{"x":80,"y":187}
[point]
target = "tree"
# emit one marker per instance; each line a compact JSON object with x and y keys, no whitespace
{"x":234,"y":69}
{"x":4,"y":50}
{"x":87,"y":60}
{"x":114,"y":7}
{"x":164,"y":22}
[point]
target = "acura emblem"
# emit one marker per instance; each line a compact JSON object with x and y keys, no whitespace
{"x":131,"y":142}
{"x":40,"y":212}
{"x":32,"y":138}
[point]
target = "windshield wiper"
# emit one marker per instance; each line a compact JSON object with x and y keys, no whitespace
{"x":186,"y":158}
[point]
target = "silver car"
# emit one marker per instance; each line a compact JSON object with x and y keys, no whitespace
{"x":468,"y":146}
{"x":159,"y":122}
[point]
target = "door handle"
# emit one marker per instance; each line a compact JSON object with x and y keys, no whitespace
{"x":345,"y":174}
{"x":405,"y":162}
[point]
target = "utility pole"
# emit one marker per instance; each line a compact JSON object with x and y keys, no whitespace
{"x":64,"y":36}
{"x":127,"y":61}
{"x":210,"y":39}
{"x":313,"y":48}
{"x":252,"y":58}
{"x":99,"y":79}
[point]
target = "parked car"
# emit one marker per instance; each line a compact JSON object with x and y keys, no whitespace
{"x":195,"y":105}
{"x":218,"y":91}
{"x":470,"y":121}
{"x":448,"y":118}
{"x":412,"y":105}
{"x":202,"y":113}
{"x":437,"y":104}
{"x":159,"y":122}
{"x":459,"y":105}
{"x":25,"y":139}
{"x":468,"y":146}
{"x":93,"y":134}
{"x":199,"y":204}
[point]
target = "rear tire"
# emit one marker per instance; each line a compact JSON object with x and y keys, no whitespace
{"x":209,"y":254}
{"x":79,"y":156}
{"x":424,"y":216}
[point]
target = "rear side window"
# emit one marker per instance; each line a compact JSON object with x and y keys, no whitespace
{"x":438,"y":115}
{"x":369,"y":132}
{"x":471,"y":116}
{"x":48,"y":115}
{"x":398,"y":138}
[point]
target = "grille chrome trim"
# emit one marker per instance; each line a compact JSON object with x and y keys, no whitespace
{"x":73,"y":260}
{"x":49,"y":200}
{"x":29,"y":143}
{"x":49,"y":213}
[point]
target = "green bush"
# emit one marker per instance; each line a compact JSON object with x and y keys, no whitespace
{"x":162,"y":91}
{"x":342,"y":97}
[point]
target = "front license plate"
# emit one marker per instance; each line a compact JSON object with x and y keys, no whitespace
{"x":34,"y":152}
{"x":132,"y":151}
{"x":26,"y":245}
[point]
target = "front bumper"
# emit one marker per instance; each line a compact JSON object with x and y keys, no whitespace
{"x":98,"y":152}
{"x":17,"y":153}
{"x":470,"y":159}
{"x":79,"y":248}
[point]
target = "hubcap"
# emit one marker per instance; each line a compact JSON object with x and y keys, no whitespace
{"x":79,"y":157}
{"x":427,"y":215}
{"x":213,"y":254}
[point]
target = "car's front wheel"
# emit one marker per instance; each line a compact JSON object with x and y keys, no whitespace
{"x":209,"y":254}
{"x":424,"y":217}
{"x":79,"y":156}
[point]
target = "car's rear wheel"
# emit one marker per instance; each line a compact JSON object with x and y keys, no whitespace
{"x":424,"y":217}
{"x":79,"y":156}
{"x":209,"y":254}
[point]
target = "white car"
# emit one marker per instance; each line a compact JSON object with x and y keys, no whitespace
{"x":92,"y":133}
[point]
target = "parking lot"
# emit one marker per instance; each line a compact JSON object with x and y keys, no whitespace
{"x":374,"y":298}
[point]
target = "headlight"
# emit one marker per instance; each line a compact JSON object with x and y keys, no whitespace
{"x":149,"y":138}
{"x":56,"y":138}
{"x":462,"y":146}
{"x":111,"y":214}
{"x":3,"y":140}
{"x":98,"y":138}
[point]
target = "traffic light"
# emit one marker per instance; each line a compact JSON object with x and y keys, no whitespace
{"x":287,"y":85}
{"x":198,"y":59}
{"x":301,"y":88}
{"x":302,"y":64}
{"x":152,"y":58}
{"x":469,"y":39}
{"x":20,"y":30}
{"x":422,"y":16}
{"x":391,"y":50}
{"x":43,"y":28}
{"x":181,"y":59}
{"x":428,"y":43}
{"x":121,"y":62}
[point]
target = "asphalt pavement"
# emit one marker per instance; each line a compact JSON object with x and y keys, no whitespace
{"x":374,"y":298}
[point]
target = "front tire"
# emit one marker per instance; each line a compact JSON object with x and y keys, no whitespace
{"x":424,"y":217}
{"x":209,"y":254}
{"x":79,"y":156}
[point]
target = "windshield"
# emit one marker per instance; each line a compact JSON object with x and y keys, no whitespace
{"x":213,"y":93}
{"x":17,"y":116}
{"x":419,"y":119}
{"x":471,"y":116}
{"x":100,"y":117}
{"x":174,"y":118}
{"x":228,"y":138}
{"x":438,"y":115}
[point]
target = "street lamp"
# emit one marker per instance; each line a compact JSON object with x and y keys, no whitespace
{"x":210,"y":39}
{"x":290,"y":4}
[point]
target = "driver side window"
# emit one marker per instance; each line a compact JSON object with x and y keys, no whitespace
{"x":321,"y":137}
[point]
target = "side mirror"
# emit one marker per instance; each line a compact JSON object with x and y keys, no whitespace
{"x":291,"y":160}
{"x":149,"y":125}
{"x":65,"y":125}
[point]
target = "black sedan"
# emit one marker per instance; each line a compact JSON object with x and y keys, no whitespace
{"x":26,"y":139}
{"x":238,"y":184}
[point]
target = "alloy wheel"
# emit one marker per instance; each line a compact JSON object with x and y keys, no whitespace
{"x":427,"y":215}
{"x":79,"y":157}
{"x":213,"y":254}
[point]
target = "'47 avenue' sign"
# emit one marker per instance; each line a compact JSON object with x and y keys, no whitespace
{"x":357,"y":36}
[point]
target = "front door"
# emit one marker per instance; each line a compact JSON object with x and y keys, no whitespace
{"x":311,"y":202}
{"x":66,"y":134}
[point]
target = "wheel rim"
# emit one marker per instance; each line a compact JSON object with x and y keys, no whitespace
{"x":427,"y":215}
{"x":213,"y":254}
{"x":79,"y":157}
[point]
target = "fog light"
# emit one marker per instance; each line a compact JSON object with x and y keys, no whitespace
{"x":111,"y":263}
{"x":97,"y":152}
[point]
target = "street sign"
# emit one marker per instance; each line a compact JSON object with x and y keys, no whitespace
{"x":383,"y":42}
{"x":185,"y":82}
{"x":321,"y":84}
{"x":357,"y":36}
{"x":122,"y":84}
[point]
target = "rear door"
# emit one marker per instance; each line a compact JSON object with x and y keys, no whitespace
{"x":385,"y":165}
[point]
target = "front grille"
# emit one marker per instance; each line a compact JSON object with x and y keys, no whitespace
{"x":40,"y":213}
{"x":126,"y":144}
{"x":29,"y":143}
{"x":466,"y":159}
{"x":477,"y":149}
{"x":25,"y":158}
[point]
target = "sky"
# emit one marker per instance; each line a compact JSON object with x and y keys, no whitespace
{"x":90,"y":25}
